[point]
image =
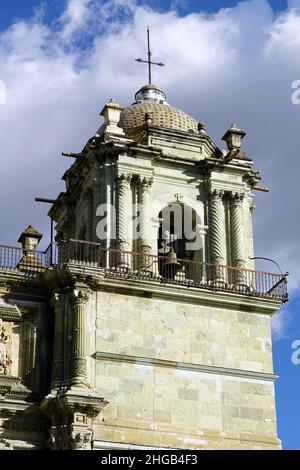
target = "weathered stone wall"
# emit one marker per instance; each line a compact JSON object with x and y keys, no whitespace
{"x":152,"y":358}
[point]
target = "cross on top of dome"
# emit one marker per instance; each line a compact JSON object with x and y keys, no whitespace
{"x":149,"y":61}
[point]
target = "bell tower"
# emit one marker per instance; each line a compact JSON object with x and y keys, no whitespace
{"x":154,"y":282}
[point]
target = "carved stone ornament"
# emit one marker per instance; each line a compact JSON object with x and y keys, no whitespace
{"x":79,"y":367}
{"x":72,"y":415}
{"x":80,"y":297}
{"x":5,"y":445}
{"x":80,"y":440}
{"x":5,"y":356}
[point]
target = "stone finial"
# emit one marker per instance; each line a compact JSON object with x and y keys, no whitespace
{"x":201,"y":128}
{"x":111,"y":113}
{"x":30,"y":238}
{"x":233,"y":137}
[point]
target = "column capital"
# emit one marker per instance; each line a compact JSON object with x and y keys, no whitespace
{"x":145,"y":181}
{"x":216,"y":193}
{"x":80,"y":297}
{"x":123,"y":179}
{"x":237,"y":197}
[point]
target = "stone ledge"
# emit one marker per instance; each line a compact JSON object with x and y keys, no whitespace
{"x":192,"y":295}
{"x":106,"y":356}
{"x":222,"y":440}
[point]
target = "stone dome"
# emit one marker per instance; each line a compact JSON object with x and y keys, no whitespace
{"x":152,"y":101}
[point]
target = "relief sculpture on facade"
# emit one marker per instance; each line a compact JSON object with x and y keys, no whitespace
{"x":5,"y":356}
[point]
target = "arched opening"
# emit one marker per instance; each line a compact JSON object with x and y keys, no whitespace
{"x":179,"y":242}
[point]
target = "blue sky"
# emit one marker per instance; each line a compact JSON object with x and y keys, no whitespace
{"x":240,"y":67}
{"x":288,"y":385}
{"x":11,"y":10}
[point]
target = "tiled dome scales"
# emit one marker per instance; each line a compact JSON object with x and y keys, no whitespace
{"x":150,"y":103}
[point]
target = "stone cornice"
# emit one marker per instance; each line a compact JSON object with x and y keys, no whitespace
{"x":10,"y":312}
{"x":73,"y":401}
{"x":25,"y":284}
{"x":181,"y":136}
{"x":192,"y":295}
{"x":203,"y":368}
{"x":70,"y":275}
{"x":95,"y":278}
{"x":11,"y":388}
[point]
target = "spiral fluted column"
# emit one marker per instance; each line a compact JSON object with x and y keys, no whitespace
{"x":79,"y":351}
{"x":251,"y":244}
{"x":96,"y":199}
{"x":144,"y":208}
{"x":237,"y":238}
{"x":123,"y":192}
{"x":217,"y":232}
{"x":89,"y":214}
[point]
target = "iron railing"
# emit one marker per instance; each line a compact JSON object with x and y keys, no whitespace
{"x":142,"y":266}
{"x":13,"y":258}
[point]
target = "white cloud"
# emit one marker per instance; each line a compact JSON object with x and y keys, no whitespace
{"x":280,"y":323}
{"x":75,"y":16}
{"x":235,"y":65}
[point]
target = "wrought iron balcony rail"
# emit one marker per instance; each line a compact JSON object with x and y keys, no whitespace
{"x":16,"y":259}
{"x":142,"y":266}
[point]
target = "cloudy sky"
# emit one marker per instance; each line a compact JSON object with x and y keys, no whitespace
{"x":226,"y":61}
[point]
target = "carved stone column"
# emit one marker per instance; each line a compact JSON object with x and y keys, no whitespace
{"x":251,"y":248}
{"x":96,"y":198}
{"x":237,"y":236}
{"x":57,"y":302}
{"x":123,"y":192}
{"x":89,"y":214}
{"x":145,"y":229}
{"x":217,"y":233}
{"x":79,"y":351}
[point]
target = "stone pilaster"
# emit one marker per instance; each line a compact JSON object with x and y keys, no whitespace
{"x":237,"y":236}
{"x":79,"y":351}
{"x":58,"y":303}
{"x":217,"y":236}
{"x":123,"y":202}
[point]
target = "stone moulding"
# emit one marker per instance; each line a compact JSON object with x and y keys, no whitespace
{"x":192,"y":295}
{"x":12,"y":388}
{"x":9,"y":312}
{"x":208,"y":369}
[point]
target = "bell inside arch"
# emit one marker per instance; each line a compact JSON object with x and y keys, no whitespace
{"x":171,"y":265}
